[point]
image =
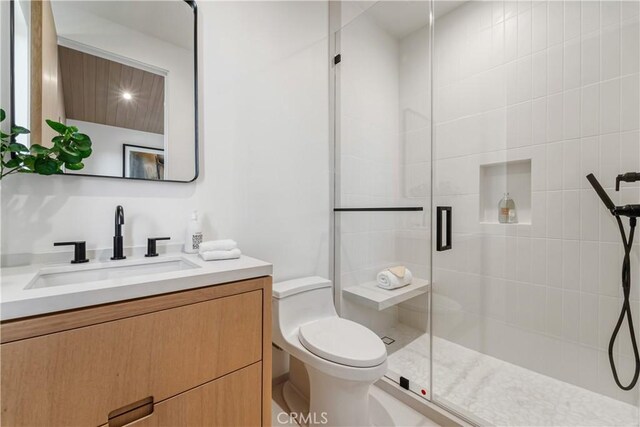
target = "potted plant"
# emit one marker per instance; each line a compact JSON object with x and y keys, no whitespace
{"x":69,"y":148}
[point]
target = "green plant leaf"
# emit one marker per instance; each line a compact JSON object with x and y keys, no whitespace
{"x":29,"y":163}
{"x":85,"y":153}
{"x":74,"y":166}
{"x":4,"y":135}
{"x":18,"y":130}
{"x":3,"y":115}
{"x":46,"y":166}
{"x":13,"y":163}
{"x":68,"y":157}
{"x":81,"y":137}
{"x":18,"y":148}
{"x":58,"y":127}
{"x":39,"y":149}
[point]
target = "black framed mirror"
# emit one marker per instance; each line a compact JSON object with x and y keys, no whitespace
{"x":125,"y":73}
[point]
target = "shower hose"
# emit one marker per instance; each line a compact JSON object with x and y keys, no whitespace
{"x":626,"y":306}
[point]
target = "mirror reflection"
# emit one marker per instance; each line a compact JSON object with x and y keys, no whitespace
{"x":121,"y":72}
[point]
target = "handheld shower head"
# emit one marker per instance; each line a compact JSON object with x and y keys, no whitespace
{"x":603,"y":194}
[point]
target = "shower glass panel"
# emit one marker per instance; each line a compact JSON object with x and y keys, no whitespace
{"x":383,"y":169}
{"x":528,"y":98}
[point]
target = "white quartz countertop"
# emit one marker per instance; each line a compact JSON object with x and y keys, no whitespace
{"x":18,"y":298}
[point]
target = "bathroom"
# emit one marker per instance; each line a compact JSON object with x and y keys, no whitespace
{"x":337,"y":140}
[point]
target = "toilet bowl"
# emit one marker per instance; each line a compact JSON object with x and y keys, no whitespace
{"x":342,"y":358}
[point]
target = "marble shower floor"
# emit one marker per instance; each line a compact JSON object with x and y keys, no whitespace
{"x":498,"y":392}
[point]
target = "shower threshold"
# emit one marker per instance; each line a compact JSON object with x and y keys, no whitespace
{"x":484,"y":387}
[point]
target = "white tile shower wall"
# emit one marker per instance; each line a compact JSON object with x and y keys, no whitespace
{"x":558,"y":83}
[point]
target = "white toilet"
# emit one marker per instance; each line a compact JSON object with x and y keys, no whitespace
{"x":343,"y":358}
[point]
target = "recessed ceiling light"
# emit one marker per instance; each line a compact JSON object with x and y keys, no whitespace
{"x":127,"y":96}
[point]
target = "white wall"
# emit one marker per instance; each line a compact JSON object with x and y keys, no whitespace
{"x":265,"y":164}
{"x":106,"y":157}
{"x":555,"y":82}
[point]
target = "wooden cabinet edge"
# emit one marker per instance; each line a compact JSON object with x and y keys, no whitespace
{"x":30,"y":327}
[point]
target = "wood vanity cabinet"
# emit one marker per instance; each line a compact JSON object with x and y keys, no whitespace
{"x":192,"y":358}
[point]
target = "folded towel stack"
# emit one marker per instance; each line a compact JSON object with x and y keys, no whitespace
{"x":219,"y":249}
{"x":395,"y":277}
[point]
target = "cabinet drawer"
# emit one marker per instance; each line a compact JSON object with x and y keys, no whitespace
{"x":78,"y":377}
{"x":233,"y":400}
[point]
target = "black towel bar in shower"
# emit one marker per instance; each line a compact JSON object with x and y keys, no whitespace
{"x":388,"y":209}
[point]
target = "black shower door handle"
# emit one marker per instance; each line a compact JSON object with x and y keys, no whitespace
{"x":440,"y":245}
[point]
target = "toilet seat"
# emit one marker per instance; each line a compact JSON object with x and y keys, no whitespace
{"x":343,"y":341}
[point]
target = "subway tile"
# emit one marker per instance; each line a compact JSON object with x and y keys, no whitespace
{"x":539,"y":261}
{"x":554,"y":312}
{"x":511,"y":39}
{"x":589,"y":158}
{"x":571,"y":214}
{"x":571,"y":178}
{"x":554,"y":263}
{"x":610,"y":106}
{"x":539,"y":27}
{"x":571,"y":115}
{"x":630,"y":102}
{"x":610,"y":265}
{"x":571,"y":265}
{"x":555,"y":120}
{"x":523,"y":268}
{"x":629,"y":9}
{"x":524,"y":33}
{"x":572,"y":16}
{"x":571,"y":64}
{"x":571,"y":315}
{"x":630,"y":151}
{"x":555,"y":71}
{"x":589,"y":320}
{"x":630,"y":46}
{"x":523,"y":79}
{"x":590,"y":58}
{"x":539,"y":74}
{"x":610,"y":12}
{"x":555,"y":34}
{"x":590,"y":16}
{"x":609,"y":158}
{"x":610,"y":51}
{"x":590,"y":267}
{"x":589,"y":215}
{"x":539,"y":121}
{"x":539,"y":214}
{"x":590,"y":110}
{"x":554,"y":166}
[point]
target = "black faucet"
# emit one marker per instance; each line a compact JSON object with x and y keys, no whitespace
{"x":117,"y":239}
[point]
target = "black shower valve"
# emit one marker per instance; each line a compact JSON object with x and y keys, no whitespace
{"x":627,"y":177}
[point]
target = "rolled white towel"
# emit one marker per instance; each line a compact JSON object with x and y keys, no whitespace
{"x":220,"y":255}
{"x":388,"y":280}
{"x":218,"y":245}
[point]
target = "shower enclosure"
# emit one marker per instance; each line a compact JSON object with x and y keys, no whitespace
{"x":440,"y":108}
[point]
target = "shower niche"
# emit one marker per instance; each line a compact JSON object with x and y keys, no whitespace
{"x":496,"y":179}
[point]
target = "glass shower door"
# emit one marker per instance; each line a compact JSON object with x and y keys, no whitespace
{"x":530,"y":97}
{"x":383,"y":167}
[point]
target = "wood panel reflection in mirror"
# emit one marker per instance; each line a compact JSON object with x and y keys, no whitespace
{"x":125,"y":75}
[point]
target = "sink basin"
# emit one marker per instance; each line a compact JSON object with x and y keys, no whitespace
{"x":69,"y":275}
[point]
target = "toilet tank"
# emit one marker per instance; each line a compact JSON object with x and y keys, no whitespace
{"x":299,"y":301}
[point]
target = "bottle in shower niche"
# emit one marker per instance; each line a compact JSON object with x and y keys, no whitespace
{"x":507,"y":210}
{"x":194,"y":235}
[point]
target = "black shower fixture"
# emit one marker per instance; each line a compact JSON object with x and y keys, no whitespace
{"x":633,"y":212}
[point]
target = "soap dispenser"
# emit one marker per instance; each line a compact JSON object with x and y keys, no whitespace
{"x":507,"y":210}
{"x":193,"y":237}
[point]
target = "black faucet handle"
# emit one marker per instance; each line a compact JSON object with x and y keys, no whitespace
{"x":627,"y":177}
{"x":151,"y":245}
{"x":80,"y":251}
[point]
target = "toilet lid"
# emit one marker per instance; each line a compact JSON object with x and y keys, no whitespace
{"x":343,"y":341}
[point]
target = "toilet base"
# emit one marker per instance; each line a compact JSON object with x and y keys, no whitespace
{"x":334,"y":402}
